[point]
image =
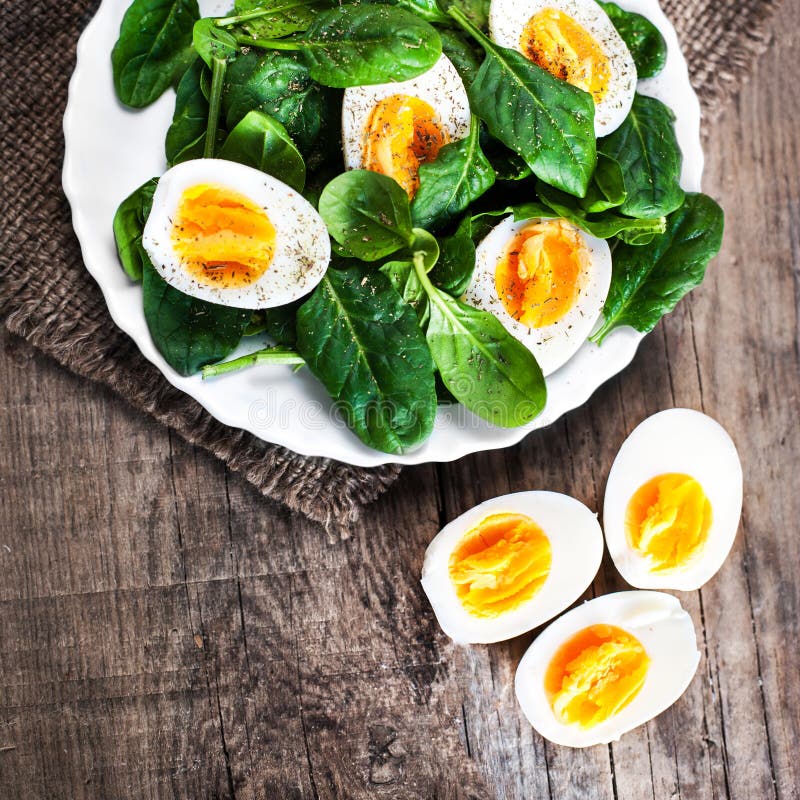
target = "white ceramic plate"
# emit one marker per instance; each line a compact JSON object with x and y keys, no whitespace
{"x":110,"y":150}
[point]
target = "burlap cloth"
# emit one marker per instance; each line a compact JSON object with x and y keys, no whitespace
{"x":49,"y":299}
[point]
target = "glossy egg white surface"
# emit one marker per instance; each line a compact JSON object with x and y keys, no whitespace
{"x":552,"y":345}
{"x":576,"y":543}
{"x":678,"y":440}
{"x":440,"y":87}
{"x":507,"y":20}
{"x":661,"y":625}
{"x":302,"y":247}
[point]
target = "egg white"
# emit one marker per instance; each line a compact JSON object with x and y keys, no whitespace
{"x":576,"y":544}
{"x":507,"y":20}
{"x":302,"y":247}
{"x":675,"y":441}
{"x":661,"y":625}
{"x":440,"y":87}
{"x":554,"y":344}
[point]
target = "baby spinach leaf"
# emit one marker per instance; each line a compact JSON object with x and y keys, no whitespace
{"x":453,"y":271}
{"x":644,"y":40}
{"x":188,"y":332}
{"x":507,"y":165}
{"x":212,"y":42}
{"x":481,"y":364}
{"x":647,"y":282}
{"x":476,"y":11}
{"x":547,"y":121}
{"x":463,"y":55}
{"x":128,"y":225}
{"x":268,"y":19}
{"x":261,"y":142}
{"x":278,"y":84}
{"x":604,"y":225}
{"x":153,"y":50}
{"x":646,"y":149}
{"x":427,"y":9}
{"x":356,"y":45}
{"x":187,"y":133}
{"x":367,"y":213}
{"x":607,"y":189}
{"x":459,"y":175}
{"x":404,"y":278}
{"x":362,"y":340}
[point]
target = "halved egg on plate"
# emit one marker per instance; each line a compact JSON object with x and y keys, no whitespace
{"x":574,"y":40}
{"x":546,"y":281}
{"x":607,"y":667}
{"x":394,"y":128}
{"x":232,"y":235}
{"x":510,"y":564}
{"x":673,"y":501}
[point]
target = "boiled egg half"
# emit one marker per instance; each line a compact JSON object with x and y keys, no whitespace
{"x":575,"y":41}
{"x":232,"y":235}
{"x":510,"y":564}
{"x":673,"y":501}
{"x":395,"y":128}
{"x":546,"y":281}
{"x":607,"y":667}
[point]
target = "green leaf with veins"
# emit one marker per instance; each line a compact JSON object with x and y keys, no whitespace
{"x":647,"y":282}
{"x":153,"y":50}
{"x":261,"y":142}
{"x":458,"y":176}
{"x":644,"y":40}
{"x":363,"y":341}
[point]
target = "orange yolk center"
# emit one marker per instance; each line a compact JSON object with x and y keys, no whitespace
{"x":667,"y":520}
{"x":222,"y":237}
{"x":557,"y":43}
{"x":402,"y":133}
{"x":540,"y":277}
{"x":500,"y":564}
{"x":595,"y":674}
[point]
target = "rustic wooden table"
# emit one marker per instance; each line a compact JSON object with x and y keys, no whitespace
{"x":166,"y":632}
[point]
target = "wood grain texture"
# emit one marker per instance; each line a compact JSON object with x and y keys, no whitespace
{"x":166,"y":633}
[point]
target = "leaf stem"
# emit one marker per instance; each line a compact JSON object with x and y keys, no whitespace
{"x":270,"y":44}
{"x":224,"y":22}
{"x":269,"y":355}
{"x":219,"y":65}
{"x":461,"y":18}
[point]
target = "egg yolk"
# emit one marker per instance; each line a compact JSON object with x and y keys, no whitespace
{"x":557,"y":43}
{"x":222,"y":237}
{"x":595,"y":674}
{"x":667,"y":520}
{"x":540,"y":276}
{"x":500,"y":564}
{"x":402,"y":133}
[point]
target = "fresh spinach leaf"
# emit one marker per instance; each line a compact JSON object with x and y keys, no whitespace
{"x":644,"y":40}
{"x":647,"y":151}
{"x":367,"y":214}
{"x":604,"y":225}
{"x":153,"y":50}
{"x":459,"y":175}
{"x":268,"y":19}
{"x":261,"y":142}
{"x":357,"y":45}
{"x":549,"y":122}
{"x":129,"y":222}
{"x":647,"y":282}
{"x":187,"y":134}
{"x":607,"y":189}
{"x":427,"y":9}
{"x":481,"y":364}
{"x":211,"y":41}
{"x":476,"y":11}
{"x":278,"y":84}
{"x":363,"y":341}
{"x":507,"y":165}
{"x":453,"y":271}
{"x":404,"y":278}
{"x":188,"y":332}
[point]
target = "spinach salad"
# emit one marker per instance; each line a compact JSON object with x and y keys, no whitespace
{"x":387,"y":328}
